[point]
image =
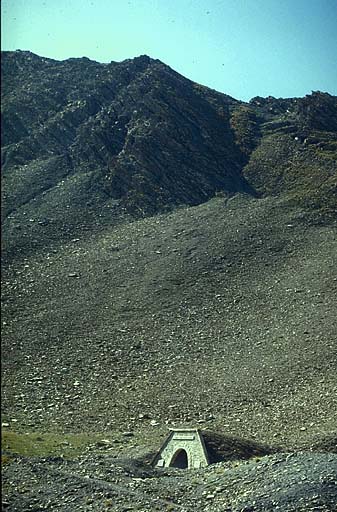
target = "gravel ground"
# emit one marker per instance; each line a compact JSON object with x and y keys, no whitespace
{"x":284,"y":482}
{"x":221,"y":315}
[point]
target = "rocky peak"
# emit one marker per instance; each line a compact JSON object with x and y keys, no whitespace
{"x":140,"y":135}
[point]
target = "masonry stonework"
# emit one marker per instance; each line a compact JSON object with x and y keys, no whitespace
{"x":184,"y":448}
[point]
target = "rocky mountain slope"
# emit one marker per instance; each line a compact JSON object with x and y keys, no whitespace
{"x":83,"y":139}
{"x":84,"y":143}
{"x":168,"y":260}
{"x":220,"y":313}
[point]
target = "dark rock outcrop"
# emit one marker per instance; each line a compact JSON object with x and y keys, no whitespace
{"x":84,"y":144}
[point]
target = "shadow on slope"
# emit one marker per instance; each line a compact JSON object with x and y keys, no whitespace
{"x":222,"y":447}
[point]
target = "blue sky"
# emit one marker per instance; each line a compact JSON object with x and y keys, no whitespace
{"x":244,"y":48}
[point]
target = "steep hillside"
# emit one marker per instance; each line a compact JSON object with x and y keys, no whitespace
{"x":220,"y":313}
{"x":297,"y":154}
{"x":87,"y":145}
{"x":169,"y":259}
{"x":83,"y":142}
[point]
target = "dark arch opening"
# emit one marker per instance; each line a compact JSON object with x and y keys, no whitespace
{"x":179,"y":460}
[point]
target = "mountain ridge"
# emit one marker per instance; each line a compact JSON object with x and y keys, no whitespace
{"x":137,"y":138}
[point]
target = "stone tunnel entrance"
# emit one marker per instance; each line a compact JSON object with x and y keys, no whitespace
{"x":184,"y":449}
{"x":179,"y":460}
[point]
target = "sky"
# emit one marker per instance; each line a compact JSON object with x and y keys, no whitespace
{"x":244,"y":48}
